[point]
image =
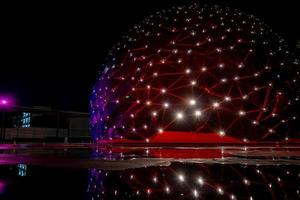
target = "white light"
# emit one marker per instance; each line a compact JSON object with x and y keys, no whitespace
{"x":148,"y":103}
{"x":241,"y":65}
{"x":221,"y":133}
{"x":216,"y":104}
{"x":167,"y":189}
{"x":227,"y":98}
{"x":246,"y":182}
{"x":148,"y":191}
{"x":200,"y":181}
{"x":160,"y":130}
{"x":155,"y":179}
{"x":193,"y":82}
{"x":232,"y":197}
{"x":271,"y":130}
{"x":223,"y":80}
{"x":181,"y":178}
{"x":198,"y":113}
{"x":254,"y":122}
{"x":203,"y":69}
{"x":192,"y":102}
{"x":147,"y":140}
{"x":179,"y":115}
{"x":245,"y":97}
{"x":220,"y":190}
{"x":221,"y":65}
{"x":145,"y":126}
{"x":242,"y":113}
{"x":154,"y":114}
{"x":196,"y":194}
{"x":155,"y":74}
{"x":187,"y":71}
{"x":148,"y":87}
{"x":166,"y":105}
{"x":163,"y":90}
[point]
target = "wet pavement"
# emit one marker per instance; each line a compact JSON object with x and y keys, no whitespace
{"x":90,"y":171}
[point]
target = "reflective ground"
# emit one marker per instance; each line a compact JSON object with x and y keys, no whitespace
{"x":86,"y":171}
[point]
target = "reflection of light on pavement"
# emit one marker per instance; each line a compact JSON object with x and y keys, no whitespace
{"x":2,"y":186}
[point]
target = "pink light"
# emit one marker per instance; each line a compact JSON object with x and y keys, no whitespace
{"x":4,"y":102}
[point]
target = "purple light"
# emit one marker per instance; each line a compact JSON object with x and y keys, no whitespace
{"x":4,"y":102}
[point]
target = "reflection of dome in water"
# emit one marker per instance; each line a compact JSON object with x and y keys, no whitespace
{"x":198,"y":69}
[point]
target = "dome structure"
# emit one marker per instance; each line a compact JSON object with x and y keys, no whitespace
{"x":198,"y":69}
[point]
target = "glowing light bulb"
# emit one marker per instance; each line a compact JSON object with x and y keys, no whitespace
{"x":227,"y":98}
{"x":222,"y":133}
{"x":246,"y":181}
{"x":242,"y":113}
{"x":179,"y":115}
{"x":192,"y":102}
{"x":216,"y":105}
{"x":200,"y":180}
{"x":167,"y":189}
{"x":195,"y":193}
{"x":155,"y":179}
{"x":166,"y":105}
{"x":198,"y":113}
{"x":241,"y":65}
{"x":220,"y":190}
{"x":181,"y":177}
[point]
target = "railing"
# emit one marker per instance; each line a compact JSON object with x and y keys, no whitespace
{"x":34,"y":133}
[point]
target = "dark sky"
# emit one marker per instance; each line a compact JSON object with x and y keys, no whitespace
{"x":51,"y":52}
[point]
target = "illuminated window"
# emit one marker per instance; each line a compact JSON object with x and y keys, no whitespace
{"x":26,"y":120}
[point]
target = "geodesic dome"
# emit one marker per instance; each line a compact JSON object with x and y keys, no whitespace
{"x":198,"y":69}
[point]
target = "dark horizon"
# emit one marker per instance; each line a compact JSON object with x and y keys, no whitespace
{"x":52,"y":52}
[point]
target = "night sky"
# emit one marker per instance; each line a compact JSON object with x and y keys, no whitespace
{"x":51,"y":52}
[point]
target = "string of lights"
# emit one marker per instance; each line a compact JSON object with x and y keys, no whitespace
{"x":198,"y":69}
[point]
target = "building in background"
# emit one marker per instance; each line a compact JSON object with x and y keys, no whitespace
{"x":45,"y":124}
